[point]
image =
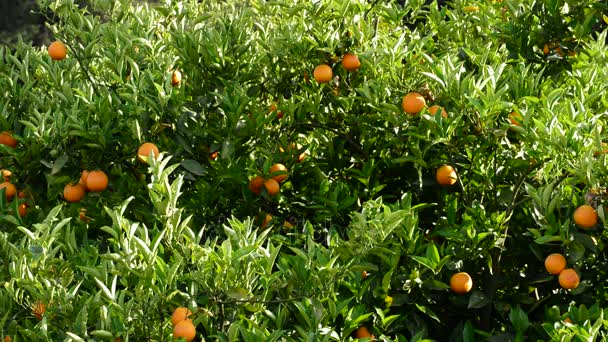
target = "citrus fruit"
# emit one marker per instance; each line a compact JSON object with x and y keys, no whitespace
{"x":176,"y":78}
{"x":364,"y":275}
{"x":555,"y":263}
{"x":278,"y":172}
{"x":255,"y":185}
{"x":266,"y":221}
{"x":184,"y":329}
{"x":97,"y":181}
{"x":73,"y":192}
{"x":362,"y":332}
{"x":8,"y":339}
{"x":323,"y":73}
{"x":350,"y":62}
{"x":180,"y":314}
{"x":9,"y":188}
{"x":38,"y":310}
{"x":57,"y":50}
{"x":585,"y":216}
{"x":272,"y":187}
{"x":434,"y":108}
{"x":6,"y":138}
{"x":413,"y":103}
{"x":144,"y":151}
{"x":446,"y":175}
{"x":515,"y":118}
{"x":83,"y":178}
{"x":569,"y":279}
{"x":461,"y":282}
{"x":22,"y":209}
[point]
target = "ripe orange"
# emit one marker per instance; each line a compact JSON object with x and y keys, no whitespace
{"x":413,"y":103}
{"x":546,"y":49}
{"x":350,"y":62}
{"x":83,"y":178}
{"x":6,"y":174}
{"x":184,"y":329}
{"x":278,"y":172}
{"x":6,"y":138}
{"x":57,"y":50}
{"x":267,"y":219}
{"x":255,"y":185}
{"x":515,"y":118}
{"x":176,"y":78}
{"x":567,"y":320}
{"x":8,"y":339}
{"x":585,"y":216}
{"x":180,"y":314}
{"x":38,"y":310}
{"x":362,"y":332}
{"x":73,"y":192}
{"x":272,"y":187}
{"x":213,"y":155}
{"x":287,"y":224}
{"x":144,"y":151}
{"x":21,"y":194}
{"x":22,"y":209}
{"x":434,"y":108}
{"x":569,"y":279}
{"x":461,"y":282}
{"x":10,"y":190}
{"x":97,"y":181}
{"x":323,"y":73}
{"x":555,"y":263}
{"x":83,"y":215}
{"x":446,"y":175}
{"x":364,"y":275}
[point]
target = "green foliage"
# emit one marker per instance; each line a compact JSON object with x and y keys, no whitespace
{"x":361,"y":234}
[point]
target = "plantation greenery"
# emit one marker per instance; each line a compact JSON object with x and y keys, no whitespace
{"x":389,"y":219}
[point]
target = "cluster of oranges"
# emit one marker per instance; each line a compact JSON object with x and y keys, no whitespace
{"x":413,"y":103}
{"x":90,"y":181}
{"x":556,"y":264}
{"x":10,"y":190}
{"x":278,"y":174}
{"x":182,"y":324}
{"x":323,"y":72}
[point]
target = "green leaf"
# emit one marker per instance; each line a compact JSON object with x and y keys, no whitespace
{"x":519,"y":319}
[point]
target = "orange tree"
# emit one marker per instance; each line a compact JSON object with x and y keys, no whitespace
{"x":382,"y":204}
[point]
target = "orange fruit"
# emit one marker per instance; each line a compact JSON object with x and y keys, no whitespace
{"x":267,"y":219}
{"x":255,"y":185}
{"x":83,"y":178}
{"x":546,"y":49}
{"x":585,"y":216}
{"x":6,"y":174}
{"x":213,"y":155}
{"x":278,"y":172}
{"x":555,"y":263}
{"x":272,"y":187}
{"x":176,"y":78}
{"x":569,"y":279}
{"x":461,"y":282}
{"x":413,"y":103}
{"x":364,"y":275}
{"x":97,"y":181}
{"x":350,"y":62}
{"x":73,"y":192}
{"x":82,"y":216}
{"x":184,"y":329}
{"x":144,"y":151}
{"x":287,"y":224}
{"x":8,"y":339}
{"x":57,"y":50}
{"x":180,"y":314}
{"x":323,"y":73}
{"x":10,"y":190}
{"x":38,"y":310}
{"x":362,"y":332}
{"x":21,"y":194}
{"x":22,"y":209}
{"x":446,"y":175}
{"x":567,"y":320}
{"x":434,"y":108}
{"x":515,"y":118}
{"x":6,"y":138}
